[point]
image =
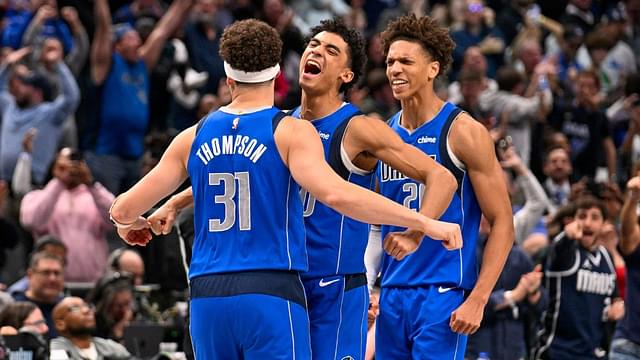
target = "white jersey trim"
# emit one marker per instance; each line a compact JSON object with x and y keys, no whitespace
{"x":349,"y":164}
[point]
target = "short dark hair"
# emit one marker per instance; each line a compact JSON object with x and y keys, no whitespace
{"x":15,"y":313}
{"x":45,"y":240}
{"x":508,"y":78}
{"x":250,"y":45}
{"x":355,"y":46}
{"x":37,"y":257}
{"x":552,"y":149}
{"x":588,"y":202}
{"x":426,"y":31}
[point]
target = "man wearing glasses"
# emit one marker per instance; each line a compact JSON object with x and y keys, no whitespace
{"x":46,"y":282}
{"x":75,"y":322}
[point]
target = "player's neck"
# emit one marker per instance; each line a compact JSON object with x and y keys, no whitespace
{"x":314,"y":107}
{"x":419,"y":109}
{"x":251,"y":98}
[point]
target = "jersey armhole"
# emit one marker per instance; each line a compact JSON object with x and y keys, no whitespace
{"x":449,"y":160}
{"x":277,"y":118}
{"x":200,"y":124}
{"x":335,"y":159}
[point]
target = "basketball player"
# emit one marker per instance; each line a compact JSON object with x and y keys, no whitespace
{"x":245,"y":161}
{"x":335,"y":283}
{"x":433,"y":298}
{"x":581,"y":281}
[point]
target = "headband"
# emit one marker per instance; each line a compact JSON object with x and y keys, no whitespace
{"x":251,"y":77}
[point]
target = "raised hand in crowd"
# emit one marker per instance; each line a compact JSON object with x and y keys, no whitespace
{"x":51,"y":55}
{"x":44,"y":13}
{"x":70,"y":15}
{"x":27,"y":140}
{"x":15,"y":56}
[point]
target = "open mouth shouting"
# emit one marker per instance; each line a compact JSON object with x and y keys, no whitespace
{"x":312,"y":68}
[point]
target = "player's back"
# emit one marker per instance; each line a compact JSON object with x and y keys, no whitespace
{"x":432,"y":264}
{"x":248,"y":215}
{"x":336,"y":243}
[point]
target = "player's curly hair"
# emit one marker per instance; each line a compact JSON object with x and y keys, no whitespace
{"x":435,"y":39}
{"x":355,"y":46}
{"x":250,"y":45}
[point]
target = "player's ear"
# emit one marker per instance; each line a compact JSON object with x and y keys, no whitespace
{"x":347,"y":76}
{"x":231,"y":83}
{"x":432,"y":70}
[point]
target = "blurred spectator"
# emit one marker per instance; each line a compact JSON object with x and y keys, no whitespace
{"x":619,"y":113}
{"x":631,"y":144}
{"x":568,"y":66}
{"x":557,"y":168}
{"x":113,"y":299}
{"x":44,"y":63}
{"x":137,"y":9}
{"x":48,"y":245}
{"x":45,"y":12}
{"x":380,"y":99}
{"x":121,"y":68}
{"x":626,"y":340}
{"x":598,"y":45}
{"x":75,"y":209}
{"x":586,"y":127}
{"x":470,"y":85}
{"x":8,"y":229}
{"x":580,"y":277}
{"x":24,"y":316}
{"x":75,"y":322}
{"x":202,"y":38}
{"x":127,"y":261}
{"x":33,"y":106}
{"x":578,"y":12}
{"x":41,"y":45}
{"x":474,"y":62}
{"x":479,"y":30}
{"x":46,"y":282}
{"x":511,"y":17}
{"x":521,"y":112}
{"x":277,"y":14}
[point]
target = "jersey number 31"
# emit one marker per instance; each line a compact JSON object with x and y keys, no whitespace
{"x":237,"y":193}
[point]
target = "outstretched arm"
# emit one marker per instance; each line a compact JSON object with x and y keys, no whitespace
{"x":101,"y":47}
{"x":161,"y":221}
{"x":151,"y":49}
{"x":472,"y":144}
{"x":376,"y":137}
{"x":300,"y":148}
{"x":161,"y":181}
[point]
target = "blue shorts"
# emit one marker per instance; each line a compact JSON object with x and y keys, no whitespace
{"x":249,"y":316}
{"x":338,"y":316}
{"x":414,"y":324}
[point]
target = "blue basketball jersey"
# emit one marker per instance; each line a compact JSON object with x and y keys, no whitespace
{"x":432,"y":263}
{"x":247,"y":215}
{"x":336,"y":243}
{"x":580,"y":285}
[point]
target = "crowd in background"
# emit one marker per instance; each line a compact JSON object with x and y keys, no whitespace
{"x":92,"y":92}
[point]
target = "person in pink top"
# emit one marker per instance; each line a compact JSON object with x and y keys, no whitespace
{"x":75,"y":209}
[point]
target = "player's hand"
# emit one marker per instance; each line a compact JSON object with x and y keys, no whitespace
{"x":374,"y":310}
{"x":573,"y":230}
{"x":162,"y":220}
{"x":401,"y":244}
{"x":467,"y":318}
{"x":137,"y":233}
{"x":534,"y":279}
{"x":449,"y":233}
